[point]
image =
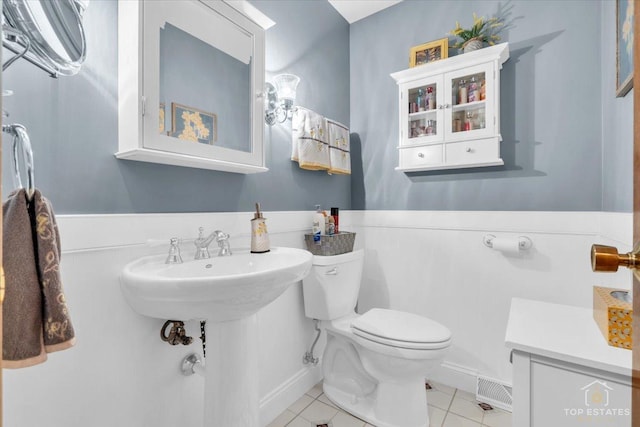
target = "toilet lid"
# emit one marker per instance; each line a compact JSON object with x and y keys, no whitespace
{"x":401,"y":329}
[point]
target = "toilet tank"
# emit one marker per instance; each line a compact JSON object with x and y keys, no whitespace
{"x":331,"y":289}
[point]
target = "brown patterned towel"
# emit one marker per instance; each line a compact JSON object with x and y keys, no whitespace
{"x":22,"y":309}
{"x":58,"y":331}
{"x":35,"y":316}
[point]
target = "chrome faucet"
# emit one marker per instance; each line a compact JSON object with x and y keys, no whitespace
{"x":174,"y":252}
{"x":223,"y":243}
{"x":202,"y":244}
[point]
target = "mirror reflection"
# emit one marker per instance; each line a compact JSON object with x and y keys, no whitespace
{"x":204,"y":92}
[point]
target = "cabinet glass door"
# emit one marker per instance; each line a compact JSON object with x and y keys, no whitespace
{"x":424,"y":117}
{"x":472,"y":99}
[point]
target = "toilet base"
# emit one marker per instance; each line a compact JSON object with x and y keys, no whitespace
{"x":364,"y":407}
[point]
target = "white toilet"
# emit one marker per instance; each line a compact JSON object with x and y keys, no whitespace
{"x":374,"y":364}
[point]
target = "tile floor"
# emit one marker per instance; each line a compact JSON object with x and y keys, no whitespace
{"x":448,"y":407}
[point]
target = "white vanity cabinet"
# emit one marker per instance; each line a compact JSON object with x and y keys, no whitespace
{"x":564,"y":372}
{"x":449,"y":112}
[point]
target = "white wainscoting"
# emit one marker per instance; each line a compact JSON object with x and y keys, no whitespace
{"x":435,"y":264}
{"x":432,"y":263}
{"x":120,"y":373}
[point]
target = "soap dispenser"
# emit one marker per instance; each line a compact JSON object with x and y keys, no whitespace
{"x":259,"y":235}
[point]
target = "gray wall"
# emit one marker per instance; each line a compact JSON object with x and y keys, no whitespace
{"x":567,"y":139}
{"x":617,"y":125}
{"x":551,"y":109}
{"x":73,"y":126}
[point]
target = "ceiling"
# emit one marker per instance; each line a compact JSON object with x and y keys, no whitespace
{"x":354,"y":10}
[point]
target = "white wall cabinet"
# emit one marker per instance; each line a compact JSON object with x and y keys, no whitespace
{"x":449,"y":112}
{"x":149,"y":124}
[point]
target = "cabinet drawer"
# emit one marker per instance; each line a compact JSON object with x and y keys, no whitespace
{"x":472,"y":151}
{"x":421,"y":156}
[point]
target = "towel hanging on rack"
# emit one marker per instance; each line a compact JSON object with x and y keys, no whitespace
{"x":22,"y":308}
{"x":339,"y":148}
{"x":58,"y":330}
{"x":309,"y":140}
{"x":36,"y":319}
{"x":35,"y":316}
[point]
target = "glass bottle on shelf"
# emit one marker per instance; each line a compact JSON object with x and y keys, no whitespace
{"x":431,"y":127}
{"x":454,"y":94}
{"x":467,"y":122}
{"x":457,"y":124}
{"x":462,"y":92}
{"x":420,"y":100}
{"x":421,"y":128}
{"x":431,"y":99}
{"x":483,"y":123}
{"x":473,"y":90}
{"x":483,"y":92}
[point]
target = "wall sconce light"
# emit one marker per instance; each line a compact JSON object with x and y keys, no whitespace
{"x":280,"y":97}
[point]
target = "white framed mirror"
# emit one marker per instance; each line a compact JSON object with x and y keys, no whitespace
{"x":191,"y":78}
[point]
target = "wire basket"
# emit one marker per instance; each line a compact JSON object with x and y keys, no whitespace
{"x":329,"y":245}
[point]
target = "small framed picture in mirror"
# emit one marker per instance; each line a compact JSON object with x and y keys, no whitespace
{"x":429,"y":52}
{"x":191,"y":124}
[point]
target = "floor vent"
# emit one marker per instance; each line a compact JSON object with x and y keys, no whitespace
{"x":494,"y":392}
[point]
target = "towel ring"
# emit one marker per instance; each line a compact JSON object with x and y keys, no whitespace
{"x":21,"y":138}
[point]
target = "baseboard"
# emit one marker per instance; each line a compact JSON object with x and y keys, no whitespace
{"x":279,"y":399}
{"x":457,"y":376}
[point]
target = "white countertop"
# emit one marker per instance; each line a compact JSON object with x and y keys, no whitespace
{"x":565,"y":333}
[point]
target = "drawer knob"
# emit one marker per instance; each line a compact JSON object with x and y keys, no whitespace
{"x":468,"y":149}
{"x":421,"y":155}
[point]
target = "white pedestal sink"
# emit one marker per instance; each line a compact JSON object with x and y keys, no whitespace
{"x":227,"y":292}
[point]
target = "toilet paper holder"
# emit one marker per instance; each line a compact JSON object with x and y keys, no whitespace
{"x":524,"y":243}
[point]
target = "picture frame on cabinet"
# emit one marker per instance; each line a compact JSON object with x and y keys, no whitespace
{"x":624,"y":47}
{"x":192,"y":124}
{"x":429,"y":52}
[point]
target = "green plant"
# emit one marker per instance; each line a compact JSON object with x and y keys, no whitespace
{"x":482,"y":30}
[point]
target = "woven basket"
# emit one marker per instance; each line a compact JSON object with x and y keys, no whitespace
{"x":330,"y":245}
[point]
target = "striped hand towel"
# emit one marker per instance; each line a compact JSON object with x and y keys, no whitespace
{"x":339,"y":148}
{"x":309,"y":140}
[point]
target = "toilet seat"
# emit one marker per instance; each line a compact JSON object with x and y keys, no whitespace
{"x":402,"y":330}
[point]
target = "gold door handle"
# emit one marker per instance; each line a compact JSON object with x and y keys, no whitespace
{"x":607,"y":258}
